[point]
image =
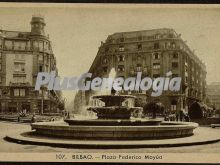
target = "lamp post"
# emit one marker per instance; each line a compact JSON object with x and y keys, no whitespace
{"x":42,"y":103}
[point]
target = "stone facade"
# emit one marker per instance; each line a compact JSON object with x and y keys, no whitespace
{"x":154,"y":53}
{"x":22,"y":56}
{"x":213,"y":94}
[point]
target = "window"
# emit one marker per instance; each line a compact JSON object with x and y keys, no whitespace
{"x":165,"y":45}
{"x":156,"y":46}
{"x":186,"y":78}
{"x":157,"y":36}
{"x":105,"y":61}
{"x":139,"y":67}
{"x":40,"y":57}
{"x":174,"y":64}
{"x":156,"y":56}
{"x":139,"y":38}
{"x":46,"y":68}
{"x":121,"y":68}
{"x":105,"y":69}
{"x":0,"y":66}
{"x":19,"y":45}
{"x":19,"y":92}
{"x":48,"y":59}
{"x":173,"y":45}
{"x":49,"y":46}
{"x":121,"y":58}
{"x":8,"y":44}
{"x":22,"y":92}
{"x":0,"y":54}
{"x":19,"y":79}
{"x":16,"y":92}
{"x":0,"y":79}
{"x":156,"y":65}
{"x":139,"y":46}
{"x":40,"y":45}
{"x":19,"y":67}
{"x":41,"y":68}
{"x":168,"y":45}
{"x":121,"y":48}
{"x":145,"y":70}
{"x":175,"y":55}
{"x":122,"y":39}
{"x":35,"y":45}
{"x":45,"y":46}
{"x":28,"y":46}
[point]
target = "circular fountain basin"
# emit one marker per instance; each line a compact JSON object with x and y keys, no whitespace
{"x":109,"y":122}
{"x":127,"y":130}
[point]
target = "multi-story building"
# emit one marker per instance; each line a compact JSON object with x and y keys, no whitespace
{"x":213,"y":95}
{"x":22,"y":56}
{"x":154,"y":53}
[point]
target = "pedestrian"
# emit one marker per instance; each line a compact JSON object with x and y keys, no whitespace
{"x":33,"y":119}
{"x":68,"y":115}
{"x":181,"y":115}
{"x":187,"y":118}
{"x":177,"y":116}
{"x":19,"y":119}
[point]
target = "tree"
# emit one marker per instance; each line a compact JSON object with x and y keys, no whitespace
{"x":154,"y":108}
{"x":139,"y":102}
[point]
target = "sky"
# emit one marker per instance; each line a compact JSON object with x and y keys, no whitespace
{"x":76,"y":31}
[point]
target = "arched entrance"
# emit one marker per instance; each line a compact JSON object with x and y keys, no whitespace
{"x":195,"y":111}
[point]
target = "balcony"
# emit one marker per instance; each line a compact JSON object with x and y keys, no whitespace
{"x":20,"y":84}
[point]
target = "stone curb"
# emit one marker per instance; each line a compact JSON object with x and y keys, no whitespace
{"x":103,"y":146}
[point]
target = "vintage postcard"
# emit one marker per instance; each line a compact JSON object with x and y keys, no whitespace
{"x":109,"y":83}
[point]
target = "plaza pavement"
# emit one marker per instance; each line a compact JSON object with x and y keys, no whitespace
{"x":11,"y":128}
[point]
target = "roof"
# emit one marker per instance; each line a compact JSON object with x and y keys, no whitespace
{"x":147,"y":31}
{"x":14,"y":34}
{"x":143,"y":32}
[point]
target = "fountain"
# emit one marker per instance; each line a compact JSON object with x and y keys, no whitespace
{"x":114,"y":121}
{"x":113,"y":113}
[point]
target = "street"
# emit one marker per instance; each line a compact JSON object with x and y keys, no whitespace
{"x":9,"y":127}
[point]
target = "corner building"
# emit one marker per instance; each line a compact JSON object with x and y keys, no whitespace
{"x":154,"y":53}
{"x":22,"y":56}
